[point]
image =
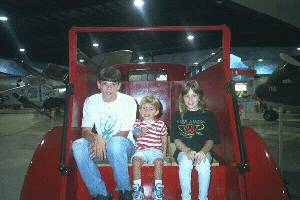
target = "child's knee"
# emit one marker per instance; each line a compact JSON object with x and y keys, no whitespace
{"x":137,"y":160}
{"x":203,"y":168}
{"x":158,"y":161}
{"x":185,"y":165}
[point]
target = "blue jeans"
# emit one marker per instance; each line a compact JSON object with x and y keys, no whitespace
{"x":119,"y":150}
{"x":185,"y":175}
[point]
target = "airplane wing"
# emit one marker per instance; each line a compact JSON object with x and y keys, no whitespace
{"x":12,"y":68}
{"x":110,"y":59}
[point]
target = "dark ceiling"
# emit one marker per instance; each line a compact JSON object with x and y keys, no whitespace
{"x":41,"y":27}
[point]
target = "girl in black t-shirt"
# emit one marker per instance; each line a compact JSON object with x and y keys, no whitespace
{"x":194,"y":131}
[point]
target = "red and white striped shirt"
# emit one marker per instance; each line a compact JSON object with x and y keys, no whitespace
{"x":151,"y":140}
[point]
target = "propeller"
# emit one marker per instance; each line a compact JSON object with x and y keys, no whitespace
{"x":289,"y":59}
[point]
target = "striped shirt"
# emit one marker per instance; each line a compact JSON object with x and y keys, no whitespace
{"x":151,"y":140}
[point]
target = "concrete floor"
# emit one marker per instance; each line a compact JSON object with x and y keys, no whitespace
{"x":21,"y":132}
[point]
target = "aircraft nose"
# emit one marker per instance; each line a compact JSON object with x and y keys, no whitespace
{"x":259,"y":91}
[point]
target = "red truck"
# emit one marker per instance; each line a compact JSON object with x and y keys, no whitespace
{"x":244,"y":167}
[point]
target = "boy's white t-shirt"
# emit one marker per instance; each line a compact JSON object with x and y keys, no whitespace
{"x":110,"y":118}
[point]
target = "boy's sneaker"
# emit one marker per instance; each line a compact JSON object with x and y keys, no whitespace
{"x":158,"y":192}
{"x":138,"y":192}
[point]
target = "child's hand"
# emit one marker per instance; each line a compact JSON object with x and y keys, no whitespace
{"x":138,"y":134}
{"x":191,"y":155}
{"x":168,"y":159}
{"x":145,"y":130}
{"x":199,"y":157}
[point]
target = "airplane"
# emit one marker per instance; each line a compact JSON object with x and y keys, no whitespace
{"x":45,"y":89}
{"x":282,"y":88}
{"x":41,"y":90}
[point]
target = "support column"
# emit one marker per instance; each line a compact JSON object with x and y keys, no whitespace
{"x":280,"y":139}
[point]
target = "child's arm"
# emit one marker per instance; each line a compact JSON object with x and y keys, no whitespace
{"x":182,"y":147}
{"x":164,"y":144}
{"x":201,"y":155}
{"x":208,"y":146}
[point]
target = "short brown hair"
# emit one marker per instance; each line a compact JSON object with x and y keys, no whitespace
{"x":110,"y":74}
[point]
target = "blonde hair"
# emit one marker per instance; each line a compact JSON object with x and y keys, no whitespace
{"x":196,"y":88}
{"x":151,"y":100}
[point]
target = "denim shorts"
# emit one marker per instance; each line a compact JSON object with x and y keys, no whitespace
{"x":149,"y":155}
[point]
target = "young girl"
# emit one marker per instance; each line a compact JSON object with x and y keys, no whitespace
{"x":194,"y":131}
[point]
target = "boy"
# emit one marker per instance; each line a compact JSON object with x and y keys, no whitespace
{"x":113,"y":115}
{"x":151,"y":147}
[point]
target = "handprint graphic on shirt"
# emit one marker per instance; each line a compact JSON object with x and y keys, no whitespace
{"x":107,"y":125}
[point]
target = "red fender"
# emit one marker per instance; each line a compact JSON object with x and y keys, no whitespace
{"x":43,"y":179}
{"x":264,"y":180}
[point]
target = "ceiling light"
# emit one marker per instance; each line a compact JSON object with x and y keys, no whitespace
{"x":81,"y":60}
{"x":298,"y":48}
{"x":260,"y":60}
{"x":213,"y":53}
{"x":219,"y":2}
{"x":95,"y":45}
{"x":196,"y":63}
{"x":190,"y":37}
{"x":22,"y":50}
{"x":138,"y":3}
{"x":141,"y":57}
{"x":2,"y":18}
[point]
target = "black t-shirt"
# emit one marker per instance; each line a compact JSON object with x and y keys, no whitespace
{"x":195,"y":129}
